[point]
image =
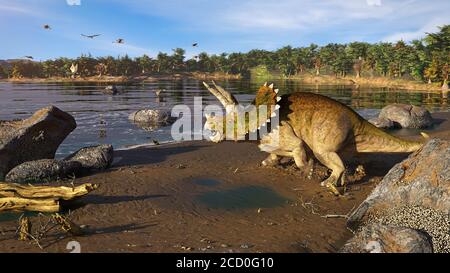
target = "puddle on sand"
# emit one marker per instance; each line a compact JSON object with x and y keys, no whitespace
{"x":242,"y":198}
{"x":206,"y":182}
{"x":14,"y":216}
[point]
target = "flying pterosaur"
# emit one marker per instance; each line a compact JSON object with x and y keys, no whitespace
{"x":90,"y":36}
{"x":120,"y":41}
{"x":47,"y":27}
{"x":195,"y":44}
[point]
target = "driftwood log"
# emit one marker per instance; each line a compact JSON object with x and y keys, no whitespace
{"x":16,"y":197}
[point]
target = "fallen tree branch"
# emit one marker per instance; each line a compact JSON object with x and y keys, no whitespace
{"x":67,"y":225}
{"x":346,"y":216}
{"x":335,"y":216}
{"x":25,"y":204}
{"x":47,"y":192}
{"x":16,"y":197}
{"x":38,"y":233}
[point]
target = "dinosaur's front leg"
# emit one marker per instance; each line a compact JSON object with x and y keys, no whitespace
{"x":299,"y":155}
{"x":271,"y":160}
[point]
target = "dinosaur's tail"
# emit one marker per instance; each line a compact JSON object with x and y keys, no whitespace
{"x":373,"y":140}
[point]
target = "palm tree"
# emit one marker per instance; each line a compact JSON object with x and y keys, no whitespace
{"x":162,"y":62}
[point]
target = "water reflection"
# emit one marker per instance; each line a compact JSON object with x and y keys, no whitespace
{"x":103,"y":118}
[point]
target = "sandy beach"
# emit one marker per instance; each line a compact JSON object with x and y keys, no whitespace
{"x":127,"y":80}
{"x":205,"y":197}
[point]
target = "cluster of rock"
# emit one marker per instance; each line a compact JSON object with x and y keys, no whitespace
{"x":28,"y":147}
{"x":111,"y":90}
{"x":403,"y":116}
{"x":150,"y":119}
{"x":409,"y":211}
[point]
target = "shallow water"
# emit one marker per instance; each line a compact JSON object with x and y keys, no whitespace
{"x":247,"y":197}
{"x":14,"y":216}
{"x":103,"y":118}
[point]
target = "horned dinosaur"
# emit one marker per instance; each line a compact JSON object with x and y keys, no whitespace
{"x":324,"y":125}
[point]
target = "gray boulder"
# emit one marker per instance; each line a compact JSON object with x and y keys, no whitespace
{"x":415,"y":193}
{"x":93,"y":158}
{"x":379,"y":238}
{"x":44,"y":170}
{"x":407,"y":116}
{"x":110,"y":90}
{"x":37,"y":137}
{"x":150,"y":119}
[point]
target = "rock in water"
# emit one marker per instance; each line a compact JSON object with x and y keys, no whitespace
{"x":150,"y":119}
{"x":382,"y":123}
{"x":110,"y":90}
{"x":378,"y":238}
{"x":37,"y":137}
{"x":415,"y":194}
{"x":407,"y":116}
{"x":93,"y":158}
{"x":44,"y":170}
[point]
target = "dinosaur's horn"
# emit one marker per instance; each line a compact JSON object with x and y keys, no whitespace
{"x":221,"y":94}
{"x":231,"y":99}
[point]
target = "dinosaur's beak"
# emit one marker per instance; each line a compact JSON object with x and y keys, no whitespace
{"x":216,"y":136}
{"x":212,"y":134}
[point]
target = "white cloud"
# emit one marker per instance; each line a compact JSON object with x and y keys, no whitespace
{"x":238,"y":15}
{"x":430,"y":27}
{"x":73,"y":2}
{"x":374,"y":2}
{"x":13,"y":8}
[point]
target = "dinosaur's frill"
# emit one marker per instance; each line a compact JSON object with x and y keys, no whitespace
{"x":267,"y":96}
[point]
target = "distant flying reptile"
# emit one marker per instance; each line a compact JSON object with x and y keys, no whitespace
{"x":47,"y":27}
{"x":195,"y":44}
{"x":90,"y":36}
{"x":119,"y":41}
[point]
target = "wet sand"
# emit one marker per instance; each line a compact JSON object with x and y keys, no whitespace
{"x":205,"y":197}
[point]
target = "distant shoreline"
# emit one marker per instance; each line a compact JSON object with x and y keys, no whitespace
{"x":398,"y":84}
{"x":125,"y":80}
{"x":369,"y":81}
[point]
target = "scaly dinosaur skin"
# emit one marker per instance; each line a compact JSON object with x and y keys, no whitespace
{"x":328,"y":128}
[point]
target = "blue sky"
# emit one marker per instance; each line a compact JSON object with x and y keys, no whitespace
{"x":150,"y":26}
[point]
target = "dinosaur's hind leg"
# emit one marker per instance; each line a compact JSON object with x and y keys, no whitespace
{"x":333,"y":162}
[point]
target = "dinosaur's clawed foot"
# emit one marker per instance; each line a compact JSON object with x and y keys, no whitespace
{"x":271,"y":161}
{"x":308,"y":169}
{"x":330,"y":183}
{"x":332,"y":188}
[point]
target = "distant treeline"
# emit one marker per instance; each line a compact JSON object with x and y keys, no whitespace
{"x":426,"y":60}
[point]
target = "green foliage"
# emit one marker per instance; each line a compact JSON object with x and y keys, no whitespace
{"x":427,"y":60}
{"x":3,"y":73}
{"x":432,"y":71}
{"x":16,"y":72}
{"x":260,"y":72}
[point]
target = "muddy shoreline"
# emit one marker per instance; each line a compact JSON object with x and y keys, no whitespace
{"x":204,"y":197}
{"x":127,"y":80}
